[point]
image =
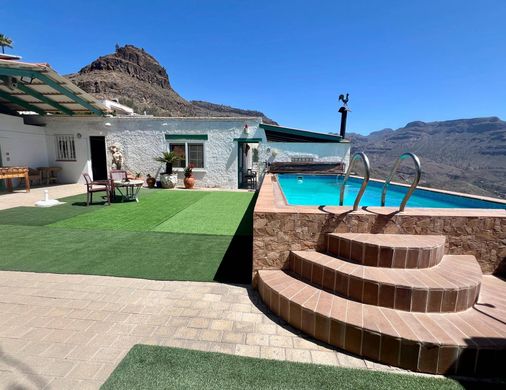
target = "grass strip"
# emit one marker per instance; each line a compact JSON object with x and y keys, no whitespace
{"x":154,"y":367}
{"x":149,"y":255}
{"x":152,"y":209}
{"x":219,"y":213}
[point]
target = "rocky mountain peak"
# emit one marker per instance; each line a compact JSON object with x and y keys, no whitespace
{"x":135,"y":78}
{"x":132,"y":61}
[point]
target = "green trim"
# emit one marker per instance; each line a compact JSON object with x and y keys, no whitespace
{"x":303,"y":133}
{"x":248,"y":140}
{"x":21,"y":102}
{"x":24,"y":88}
{"x":69,"y":94}
{"x":53,"y":84}
{"x":202,"y":137}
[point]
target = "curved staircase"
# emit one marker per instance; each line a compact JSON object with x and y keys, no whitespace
{"x":396,"y":299}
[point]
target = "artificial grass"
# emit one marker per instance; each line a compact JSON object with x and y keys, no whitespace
{"x":153,"y":367}
{"x":148,"y":255}
{"x":153,"y":208}
{"x":219,"y":213}
{"x":35,"y":216}
{"x":117,"y":240}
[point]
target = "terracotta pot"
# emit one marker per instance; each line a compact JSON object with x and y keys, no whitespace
{"x":189,"y":182}
{"x":151,"y":181}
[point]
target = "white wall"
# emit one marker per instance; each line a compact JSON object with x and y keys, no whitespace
{"x":141,"y":139}
{"x":22,"y":145}
{"x":72,"y":170}
{"x":320,"y":152}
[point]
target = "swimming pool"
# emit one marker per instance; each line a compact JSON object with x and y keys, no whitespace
{"x":315,"y":190}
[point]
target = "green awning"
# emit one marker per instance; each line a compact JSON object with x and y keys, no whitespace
{"x":286,"y":134}
{"x":170,"y":137}
{"x":248,"y":140}
{"x":38,"y":88}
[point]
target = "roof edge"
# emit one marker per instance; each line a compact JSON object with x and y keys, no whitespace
{"x":306,"y":133}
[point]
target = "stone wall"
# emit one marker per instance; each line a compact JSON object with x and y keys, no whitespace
{"x":277,"y":229}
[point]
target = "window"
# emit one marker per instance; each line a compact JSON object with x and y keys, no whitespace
{"x":302,"y":159}
{"x":180,"y":151}
{"x":196,"y":155}
{"x":65,"y":148}
{"x":189,"y":153}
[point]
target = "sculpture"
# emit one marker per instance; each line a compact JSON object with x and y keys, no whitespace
{"x":117,"y":157}
{"x":344,"y":99}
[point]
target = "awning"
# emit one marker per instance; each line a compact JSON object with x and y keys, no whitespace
{"x":286,"y":134}
{"x":38,"y":88}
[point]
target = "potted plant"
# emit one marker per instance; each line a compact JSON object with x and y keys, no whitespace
{"x":168,"y":179}
{"x":189,"y":180}
{"x":168,"y":158}
{"x":150,"y":181}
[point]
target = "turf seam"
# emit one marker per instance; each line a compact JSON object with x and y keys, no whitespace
{"x":172,"y":216}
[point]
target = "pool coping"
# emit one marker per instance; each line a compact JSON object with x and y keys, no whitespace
{"x":272,"y":199}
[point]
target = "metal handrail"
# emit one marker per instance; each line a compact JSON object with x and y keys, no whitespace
{"x":365,"y":160}
{"x":413,"y":185}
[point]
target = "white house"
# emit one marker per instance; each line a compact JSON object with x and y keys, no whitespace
{"x":75,"y":132}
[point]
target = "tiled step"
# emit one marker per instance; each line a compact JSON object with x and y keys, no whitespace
{"x":452,"y":285}
{"x":471,"y":342}
{"x":388,"y":250}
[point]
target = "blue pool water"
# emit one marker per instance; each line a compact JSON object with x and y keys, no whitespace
{"x":315,"y":190}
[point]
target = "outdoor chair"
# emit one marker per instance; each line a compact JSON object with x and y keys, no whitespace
{"x":117,"y":175}
{"x":96,"y":186}
{"x":251,"y":179}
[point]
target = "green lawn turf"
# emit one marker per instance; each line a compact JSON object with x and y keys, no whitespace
{"x":153,"y":367}
{"x":219,"y":213}
{"x":119,"y":240}
{"x":154,"y":208}
{"x":36,"y":216}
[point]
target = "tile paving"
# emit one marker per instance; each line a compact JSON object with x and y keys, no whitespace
{"x":70,"y":331}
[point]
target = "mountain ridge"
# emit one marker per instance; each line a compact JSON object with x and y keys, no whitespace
{"x":463,"y":155}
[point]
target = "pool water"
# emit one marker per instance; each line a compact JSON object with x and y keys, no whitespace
{"x":313,"y":190}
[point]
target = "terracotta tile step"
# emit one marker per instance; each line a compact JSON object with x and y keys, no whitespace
{"x":471,"y":342}
{"x":452,"y":285}
{"x":388,"y":250}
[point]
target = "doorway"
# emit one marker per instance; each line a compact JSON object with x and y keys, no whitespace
{"x":247,"y":164}
{"x":98,"y":158}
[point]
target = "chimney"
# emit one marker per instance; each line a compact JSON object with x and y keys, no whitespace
{"x":344,"y":114}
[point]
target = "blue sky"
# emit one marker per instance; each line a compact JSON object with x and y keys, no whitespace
{"x":400,"y":60}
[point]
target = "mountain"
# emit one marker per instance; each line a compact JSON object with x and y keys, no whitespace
{"x":464,"y":155}
{"x":136,"y":79}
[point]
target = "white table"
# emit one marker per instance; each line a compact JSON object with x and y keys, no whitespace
{"x":131,"y":188}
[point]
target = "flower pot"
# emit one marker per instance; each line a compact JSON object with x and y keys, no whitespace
{"x":189,"y":182}
{"x":151,"y":181}
{"x":168,"y":181}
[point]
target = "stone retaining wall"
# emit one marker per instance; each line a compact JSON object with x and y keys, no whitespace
{"x":278,"y":228}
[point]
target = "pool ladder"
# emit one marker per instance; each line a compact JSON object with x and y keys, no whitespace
{"x":362,"y":156}
{"x":357,"y":156}
{"x":415,"y":182}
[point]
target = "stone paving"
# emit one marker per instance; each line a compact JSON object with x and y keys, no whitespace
{"x":70,"y":331}
{"x":27,"y":199}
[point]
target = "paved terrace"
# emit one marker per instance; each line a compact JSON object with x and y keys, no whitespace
{"x":27,"y":199}
{"x":70,"y":331}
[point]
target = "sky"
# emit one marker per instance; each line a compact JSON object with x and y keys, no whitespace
{"x":400,"y":61}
